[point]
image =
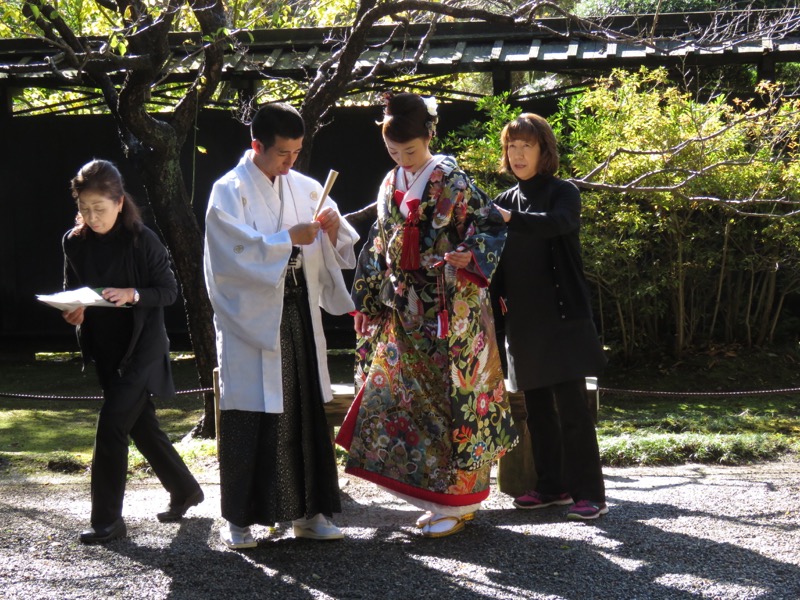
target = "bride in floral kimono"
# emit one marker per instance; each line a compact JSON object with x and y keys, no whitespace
{"x":431,"y":413}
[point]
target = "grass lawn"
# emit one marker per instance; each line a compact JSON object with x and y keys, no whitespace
{"x":60,"y":432}
{"x":728,"y":425}
{"x":632,"y":428}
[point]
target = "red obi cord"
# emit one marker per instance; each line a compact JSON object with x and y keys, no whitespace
{"x":409,"y":257}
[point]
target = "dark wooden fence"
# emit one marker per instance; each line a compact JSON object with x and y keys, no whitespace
{"x":39,"y":155}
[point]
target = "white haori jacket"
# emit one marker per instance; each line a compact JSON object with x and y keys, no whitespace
{"x":245,"y":263}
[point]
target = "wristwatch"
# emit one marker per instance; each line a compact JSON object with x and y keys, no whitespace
{"x":135,"y":296}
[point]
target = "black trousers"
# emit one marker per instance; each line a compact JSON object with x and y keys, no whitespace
{"x":564,"y":441}
{"x":129,"y":412}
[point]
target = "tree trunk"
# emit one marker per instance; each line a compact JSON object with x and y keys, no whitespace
{"x":721,"y":280}
{"x":680,"y":301}
{"x":767,"y":306}
{"x":175,"y":217}
{"x":749,"y":306}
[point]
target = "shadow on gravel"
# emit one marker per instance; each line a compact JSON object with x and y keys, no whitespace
{"x":670,"y":534}
{"x":502,"y":554}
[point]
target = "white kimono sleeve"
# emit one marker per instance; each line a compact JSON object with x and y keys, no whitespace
{"x":334,"y":296}
{"x":245,"y":272}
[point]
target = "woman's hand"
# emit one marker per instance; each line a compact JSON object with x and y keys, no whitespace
{"x":361,"y":324}
{"x":74,"y":317}
{"x":506,"y":214}
{"x":328,"y":220}
{"x":118,"y":296}
{"x":459,"y":259}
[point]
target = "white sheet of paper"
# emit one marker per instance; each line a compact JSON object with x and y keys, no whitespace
{"x":72,"y":299}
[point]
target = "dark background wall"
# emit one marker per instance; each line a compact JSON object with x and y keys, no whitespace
{"x":39,"y":155}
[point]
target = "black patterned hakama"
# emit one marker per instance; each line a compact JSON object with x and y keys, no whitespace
{"x":278,"y":467}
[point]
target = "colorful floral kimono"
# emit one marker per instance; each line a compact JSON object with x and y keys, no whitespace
{"x":430,"y":413}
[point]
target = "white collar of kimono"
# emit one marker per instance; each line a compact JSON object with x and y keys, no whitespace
{"x":278,"y":186}
{"x":418,"y":182}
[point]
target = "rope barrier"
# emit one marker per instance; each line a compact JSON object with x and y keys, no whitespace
{"x":43,"y":397}
{"x":602,"y":390}
{"x":700,"y":394}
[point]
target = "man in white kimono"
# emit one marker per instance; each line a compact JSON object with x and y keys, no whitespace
{"x":269,"y":267}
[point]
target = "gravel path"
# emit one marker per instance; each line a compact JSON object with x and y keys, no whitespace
{"x":693,"y":531}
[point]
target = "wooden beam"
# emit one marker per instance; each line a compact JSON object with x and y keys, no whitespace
{"x":501,"y":81}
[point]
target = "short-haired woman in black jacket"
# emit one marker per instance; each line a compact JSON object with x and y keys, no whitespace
{"x":112,"y":250}
{"x":551,"y":339}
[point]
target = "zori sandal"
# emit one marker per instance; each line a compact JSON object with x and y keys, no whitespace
{"x":426,"y":517}
{"x":442,"y":526}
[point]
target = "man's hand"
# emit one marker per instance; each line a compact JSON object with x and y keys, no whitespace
{"x":304,"y":234}
{"x":329,"y":222}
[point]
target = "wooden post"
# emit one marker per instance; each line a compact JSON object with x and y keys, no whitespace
{"x":216,"y":406}
{"x":593,"y":397}
{"x":336,"y":409}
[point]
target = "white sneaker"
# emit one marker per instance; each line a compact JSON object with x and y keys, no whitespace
{"x":318,"y":527}
{"x":237,"y":537}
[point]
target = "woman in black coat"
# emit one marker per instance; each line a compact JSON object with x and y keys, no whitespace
{"x":111,"y":250}
{"x":552,"y":343}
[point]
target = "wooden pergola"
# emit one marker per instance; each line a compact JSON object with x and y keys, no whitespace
{"x":552,"y":46}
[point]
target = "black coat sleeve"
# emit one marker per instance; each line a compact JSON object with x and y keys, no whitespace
{"x":156,"y":281}
{"x":560,"y":217}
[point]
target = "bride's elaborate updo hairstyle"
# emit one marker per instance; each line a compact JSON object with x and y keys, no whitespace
{"x":407,"y":117}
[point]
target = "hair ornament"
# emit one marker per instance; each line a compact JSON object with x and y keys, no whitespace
{"x":431,"y":105}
